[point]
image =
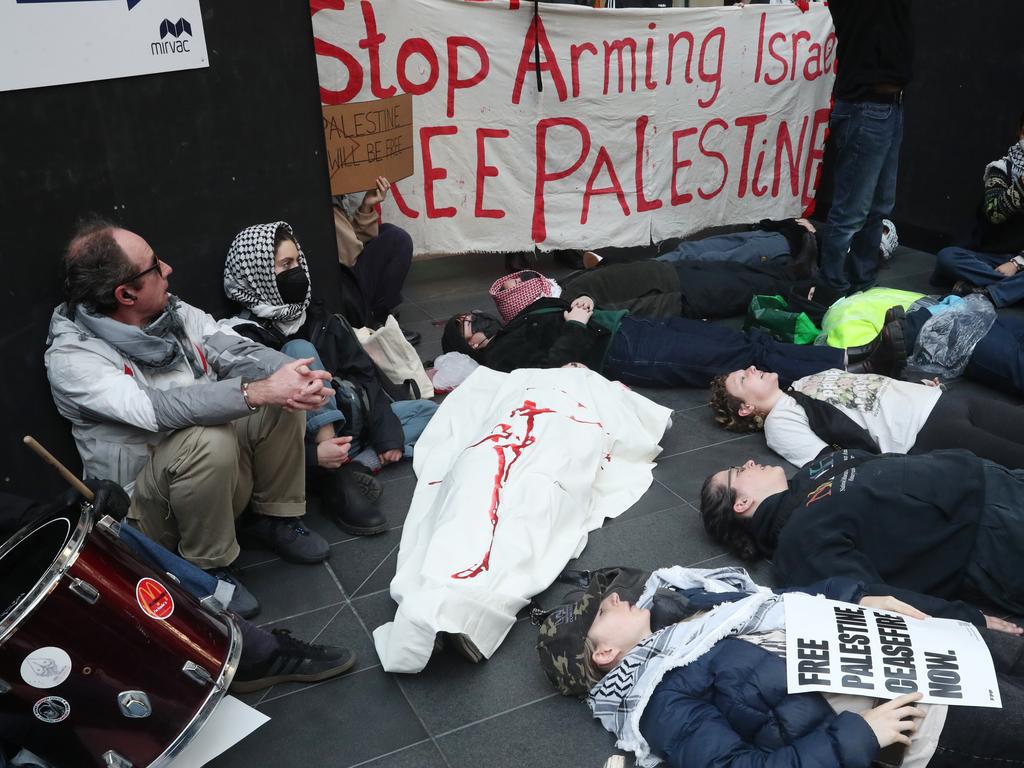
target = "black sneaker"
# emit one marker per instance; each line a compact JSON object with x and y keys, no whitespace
{"x":243,"y":602}
{"x":289,"y":538}
{"x":294,"y":661}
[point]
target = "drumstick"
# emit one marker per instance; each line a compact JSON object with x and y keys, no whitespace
{"x":63,"y":471}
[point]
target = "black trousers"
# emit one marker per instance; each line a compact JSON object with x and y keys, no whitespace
{"x":991,"y":429}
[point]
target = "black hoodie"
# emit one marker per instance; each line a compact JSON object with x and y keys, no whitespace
{"x":903,"y":525}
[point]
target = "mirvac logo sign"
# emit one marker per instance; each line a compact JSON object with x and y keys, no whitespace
{"x":180,"y":31}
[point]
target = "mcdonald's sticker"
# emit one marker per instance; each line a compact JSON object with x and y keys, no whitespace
{"x":154,"y":599}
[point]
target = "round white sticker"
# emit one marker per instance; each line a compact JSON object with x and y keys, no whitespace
{"x":46,"y":668}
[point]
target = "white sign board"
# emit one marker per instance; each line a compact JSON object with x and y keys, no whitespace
{"x":51,"y":42}
{"x":844,"y":648}
{"x":645,"y":124}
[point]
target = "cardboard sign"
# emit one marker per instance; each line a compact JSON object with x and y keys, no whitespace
{"x":367,"y":140}
{"x":645,"y":124}
{"x":844,"y":648}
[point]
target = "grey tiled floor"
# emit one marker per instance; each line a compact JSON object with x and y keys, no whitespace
{"x":502,"y":712}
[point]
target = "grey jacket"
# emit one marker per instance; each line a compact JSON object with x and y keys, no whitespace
{"x":119,"y":409}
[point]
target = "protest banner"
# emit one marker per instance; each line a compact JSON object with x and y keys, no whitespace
{"x":51,"y":42}
{"x":844,"y":648}
{"x":366,"y":140}
{"x":581,"y":127}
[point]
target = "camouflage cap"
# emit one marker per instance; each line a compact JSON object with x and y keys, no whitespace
{"x":563,"y":631}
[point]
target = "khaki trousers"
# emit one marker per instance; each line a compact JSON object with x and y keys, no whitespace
{"x":199,"y":479}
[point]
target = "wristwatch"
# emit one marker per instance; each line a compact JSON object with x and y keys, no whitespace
{"x":1018,"y":261}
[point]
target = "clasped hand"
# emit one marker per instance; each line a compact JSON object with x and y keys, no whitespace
{"x":294,"y":386}
{"x":580,"y":310}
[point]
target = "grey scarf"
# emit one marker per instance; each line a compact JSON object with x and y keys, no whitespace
{"x":1015,"y":159}
{"x":157,"y":346}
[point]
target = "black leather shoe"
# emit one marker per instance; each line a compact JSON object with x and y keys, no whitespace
{"x":889,"y":355}
{"x":349,"y":507}
{"x":858,"y":354}
{"x":412,"y":337}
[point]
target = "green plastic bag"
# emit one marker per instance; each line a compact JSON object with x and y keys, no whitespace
{"x":769,"y":313}
{"x":857,"y":319}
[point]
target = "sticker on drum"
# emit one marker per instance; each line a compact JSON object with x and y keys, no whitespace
{"x":46,"y":667}
{"x":52,"y":709}
{"x":154,"y":599}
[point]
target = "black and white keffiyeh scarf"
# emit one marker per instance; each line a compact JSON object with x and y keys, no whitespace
{"x":249,"y":277}
{"x":618,"y":701}
{"x":1015,"y":159}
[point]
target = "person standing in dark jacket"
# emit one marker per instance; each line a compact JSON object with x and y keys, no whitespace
{"x":724,"y":702}
{"x":874,"y":54}
{"x":927,"y":529}
{"x":266,"y":272}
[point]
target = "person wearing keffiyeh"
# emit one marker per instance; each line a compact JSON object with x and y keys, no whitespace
{"x":694,"y":674}
{"x":354,"y":432}
{"x":992,"y":261}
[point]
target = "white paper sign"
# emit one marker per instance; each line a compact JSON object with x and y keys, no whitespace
{"x":843,"y":648}
{"x":648,"y":123}
{"x":50,"y":42}
{"x":230,"y":722}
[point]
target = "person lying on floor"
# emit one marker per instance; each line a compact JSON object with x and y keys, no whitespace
{"x":515,"y":471}
{"x":837,"y":409}
{"x":694,"y":674}
{"x":266,"y":273}
{"x":673,"y":352}
{"x":933,"y":530}
{"x":670,"y":286}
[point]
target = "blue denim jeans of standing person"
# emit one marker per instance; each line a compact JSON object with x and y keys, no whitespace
{"x":980,"y":269}
{"x":678,"y":352}
{"x":867,"y":138}
{"x":753,"y":248}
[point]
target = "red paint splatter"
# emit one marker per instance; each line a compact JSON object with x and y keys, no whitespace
{"x":530,"y":410}
{"x":581,"y":421}
{"x":501,"y":432}
{"x":435,"y":482}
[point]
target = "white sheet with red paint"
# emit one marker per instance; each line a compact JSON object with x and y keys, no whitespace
{"x":514,"y":471}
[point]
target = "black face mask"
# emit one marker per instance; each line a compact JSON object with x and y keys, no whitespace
{"x":486,"y":324}
{"x":293,"y":285}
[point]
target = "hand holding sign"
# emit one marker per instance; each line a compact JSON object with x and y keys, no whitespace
{"x":893,"y":721}
{"x":377,"y":195}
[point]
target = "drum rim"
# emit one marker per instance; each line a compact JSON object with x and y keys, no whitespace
{"x":51,"y":577}
{"x":217,"y":692}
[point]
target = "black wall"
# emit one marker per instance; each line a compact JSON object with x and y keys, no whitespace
{"x":185,"y":159}
{"x":961,"y":111}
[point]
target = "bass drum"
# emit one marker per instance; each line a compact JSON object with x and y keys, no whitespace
{"x":103,"y":660}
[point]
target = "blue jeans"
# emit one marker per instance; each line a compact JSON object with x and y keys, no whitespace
{"x":413,"y":415}
{"x":328,"y":413}
{"x":689,"y":353}
{"x":867,"y":137}
{"x":998,"y":359}
{"x":754,"y":248}
{"x":980,"y":269}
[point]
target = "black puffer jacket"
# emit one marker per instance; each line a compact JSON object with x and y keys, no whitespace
{"x":541,"y":337}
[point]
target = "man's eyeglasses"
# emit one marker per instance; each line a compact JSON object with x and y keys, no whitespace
{"x":146,"y":271}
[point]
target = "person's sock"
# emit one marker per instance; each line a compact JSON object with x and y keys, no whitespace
{"x":257,"y":644}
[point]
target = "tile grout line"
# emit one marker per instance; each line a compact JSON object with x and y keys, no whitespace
{"x":370,"y":574}
{"x":299,"y":615}
{"x":389,"y":754}
{"x":496,"y":715}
